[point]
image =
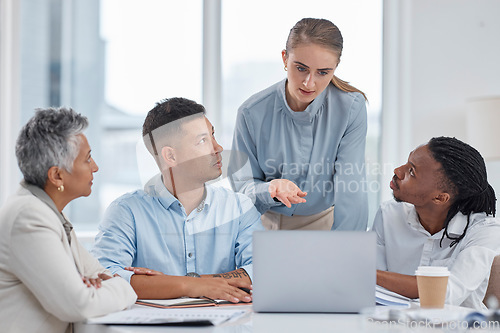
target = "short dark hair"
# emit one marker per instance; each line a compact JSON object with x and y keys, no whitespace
{"x":465,"y":179}
{"x":168,"y":115}
{"x":169,"y":110}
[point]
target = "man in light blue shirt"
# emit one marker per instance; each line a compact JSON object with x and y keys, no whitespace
{"x":164,"y":238}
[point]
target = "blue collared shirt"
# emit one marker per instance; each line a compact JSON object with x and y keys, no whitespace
{"x":321,"y":149}
{"x":150,"y":229}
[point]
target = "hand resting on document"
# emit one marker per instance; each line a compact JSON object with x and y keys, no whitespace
{"x":151,"y":284}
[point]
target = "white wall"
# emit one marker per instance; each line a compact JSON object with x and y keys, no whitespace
{"x":9,"y":95}
{"x":442,"y":53}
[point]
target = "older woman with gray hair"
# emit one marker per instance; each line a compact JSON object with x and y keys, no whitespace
{"x":47,"y":278}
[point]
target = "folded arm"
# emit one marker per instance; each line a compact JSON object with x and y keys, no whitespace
{"x":36,"y":247}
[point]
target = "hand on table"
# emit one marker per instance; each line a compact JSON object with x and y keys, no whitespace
{"x":286,"y":191}
{"x":219,"y":288}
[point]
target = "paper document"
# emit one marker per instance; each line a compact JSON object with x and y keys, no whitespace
{"x":153,"y":316}
{"x":184,"y":303}
{"x":389,"y":298}
{"x":436,"y":317}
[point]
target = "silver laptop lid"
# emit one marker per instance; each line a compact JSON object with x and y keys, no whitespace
{"x":313,"y":271}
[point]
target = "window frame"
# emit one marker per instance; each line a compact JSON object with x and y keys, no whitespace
{"x":10,"y":105}
{"x":9,"y":95}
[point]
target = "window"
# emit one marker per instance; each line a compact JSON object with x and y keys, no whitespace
{"x":111,"y":60}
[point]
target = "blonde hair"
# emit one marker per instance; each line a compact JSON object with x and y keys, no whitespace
{"x":321,"y":32}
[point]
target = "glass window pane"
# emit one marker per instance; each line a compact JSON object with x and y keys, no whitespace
{"x":110,"y":60}
{"x":153,"y":50}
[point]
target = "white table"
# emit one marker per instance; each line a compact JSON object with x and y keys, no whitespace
{"x":290,"y":323}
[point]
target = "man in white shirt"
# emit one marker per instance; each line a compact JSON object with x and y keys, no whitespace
{"x":440,"y":217}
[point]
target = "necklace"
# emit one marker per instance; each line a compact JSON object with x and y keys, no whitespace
{"x":202,"y":203}
{"x":200,"y":206}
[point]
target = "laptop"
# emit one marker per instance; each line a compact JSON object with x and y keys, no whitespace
{"x":313,"y":271}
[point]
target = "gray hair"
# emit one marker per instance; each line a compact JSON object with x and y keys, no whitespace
{"x":50,"y":138}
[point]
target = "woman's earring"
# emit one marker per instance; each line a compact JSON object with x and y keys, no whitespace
{"x":61,"y":188}
{"x":285,"y":69}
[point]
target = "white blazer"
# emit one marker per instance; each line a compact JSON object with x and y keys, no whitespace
{"x":41,"y":288}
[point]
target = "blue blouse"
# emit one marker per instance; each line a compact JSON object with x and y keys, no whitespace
{"x":321,"y":149}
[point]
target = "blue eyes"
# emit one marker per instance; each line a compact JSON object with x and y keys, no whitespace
{"x":303,"y":69}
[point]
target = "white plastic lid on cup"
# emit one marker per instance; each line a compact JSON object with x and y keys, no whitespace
{"x":432,"y":271}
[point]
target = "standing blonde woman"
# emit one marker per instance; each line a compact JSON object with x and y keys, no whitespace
{"x":299,"y":145}
{"x":47,"y":278}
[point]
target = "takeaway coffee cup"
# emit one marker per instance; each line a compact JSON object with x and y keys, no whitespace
{"x":432,"y":282}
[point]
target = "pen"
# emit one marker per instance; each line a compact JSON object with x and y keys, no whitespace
{"x":248,"y":291}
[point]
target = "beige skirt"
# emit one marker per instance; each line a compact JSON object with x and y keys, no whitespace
{"x":320,"y":221}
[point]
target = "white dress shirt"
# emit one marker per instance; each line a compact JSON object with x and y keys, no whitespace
{"x":403,"y":244}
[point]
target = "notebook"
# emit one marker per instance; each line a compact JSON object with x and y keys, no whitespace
{"x":179,"y":303}
{"x":313,"y":271}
